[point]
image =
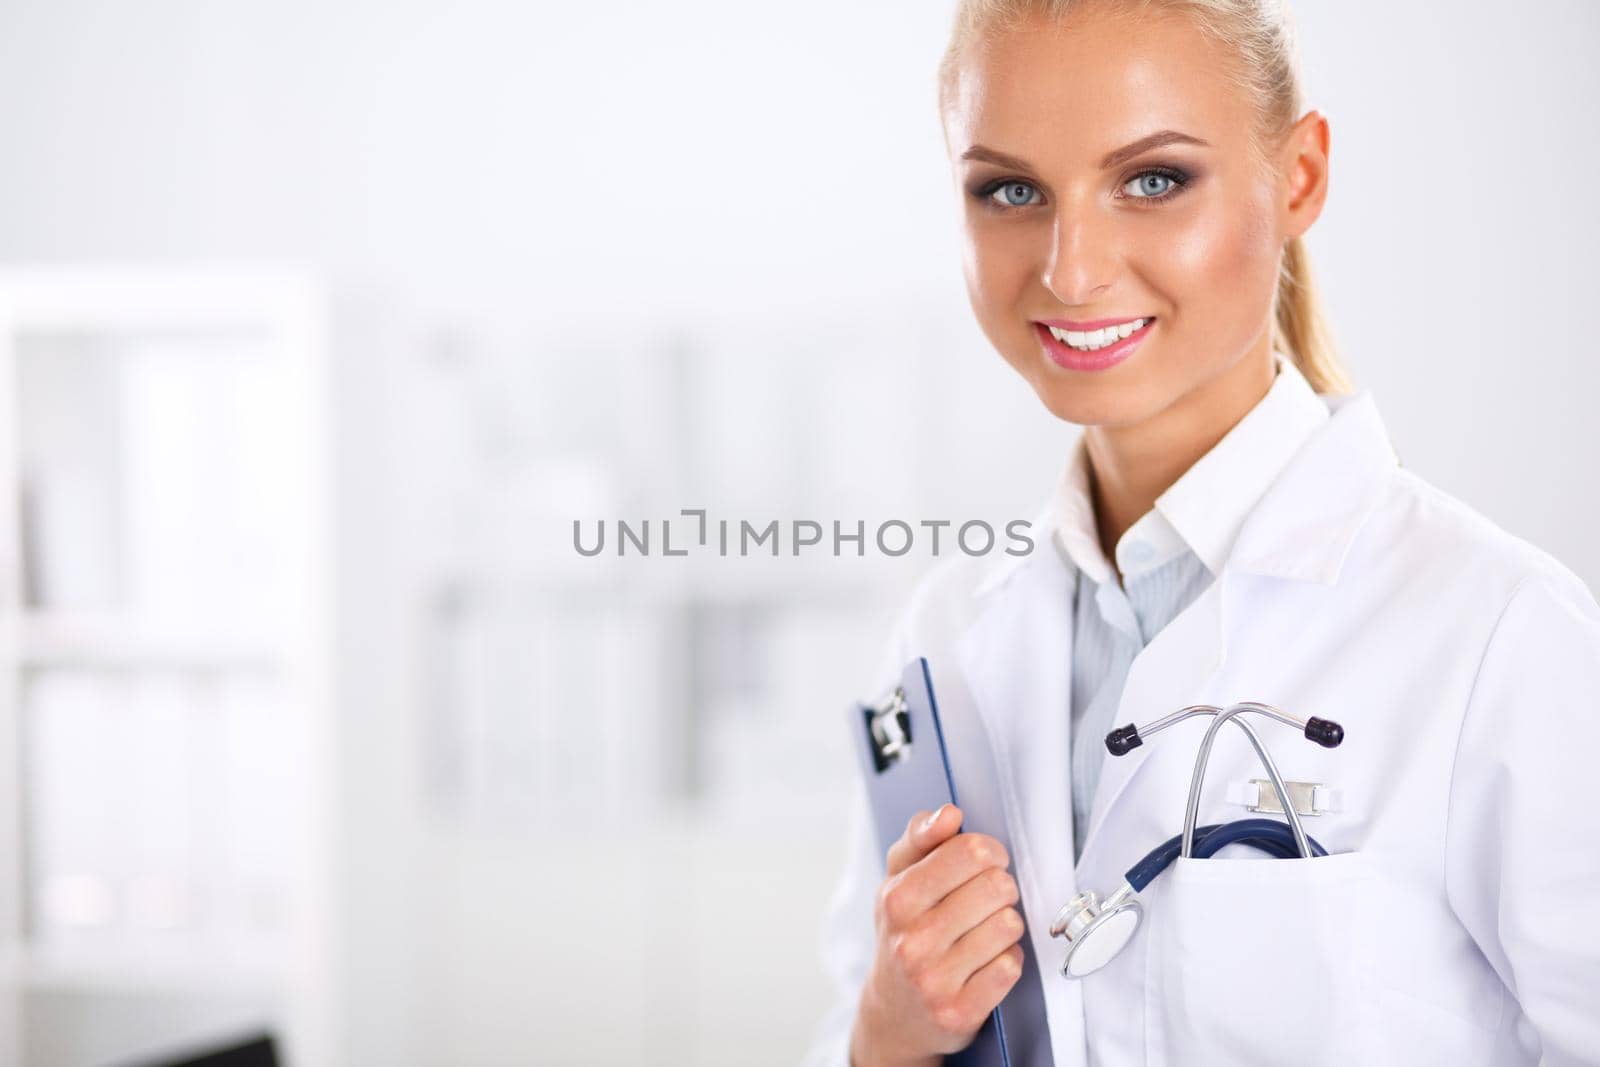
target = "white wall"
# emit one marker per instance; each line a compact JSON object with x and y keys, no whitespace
{"x":1454,"y":254}
{"x":511,"y":187}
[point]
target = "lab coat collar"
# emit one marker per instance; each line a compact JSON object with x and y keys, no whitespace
{"x":1306,"y":521}
{"x":1206,"y":507}
{"x":1303,"y":523}
{"x":1210,"y":503}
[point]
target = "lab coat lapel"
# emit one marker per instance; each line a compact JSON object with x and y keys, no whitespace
{"x":1016,"y":657}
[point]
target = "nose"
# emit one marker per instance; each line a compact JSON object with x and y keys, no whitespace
{"x":1083,"y":257}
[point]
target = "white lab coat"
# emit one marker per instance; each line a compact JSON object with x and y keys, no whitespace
{"x":1460,"y":923}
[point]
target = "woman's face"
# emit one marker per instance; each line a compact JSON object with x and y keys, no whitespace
{"x":1064,"y":222}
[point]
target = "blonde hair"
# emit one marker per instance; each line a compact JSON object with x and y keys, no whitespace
{"x":1261,"y":34}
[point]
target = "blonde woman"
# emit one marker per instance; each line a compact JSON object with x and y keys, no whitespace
{"x":1137,"y":178}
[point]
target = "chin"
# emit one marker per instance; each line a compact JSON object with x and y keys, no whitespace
{"x":1102,"y":399}
{"x":1087,"y":406}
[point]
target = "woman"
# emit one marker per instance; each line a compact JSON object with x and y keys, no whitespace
{"x":1234,"y":525}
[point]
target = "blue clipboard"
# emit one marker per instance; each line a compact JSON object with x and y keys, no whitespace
{"x":897,"y":741}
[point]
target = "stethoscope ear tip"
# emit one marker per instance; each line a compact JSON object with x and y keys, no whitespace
{"x":1123,"y":739}
{"x":1324,"y":732}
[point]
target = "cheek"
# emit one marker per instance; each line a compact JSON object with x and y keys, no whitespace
{"x":996,"y":267}
{"x":1221,"y":265}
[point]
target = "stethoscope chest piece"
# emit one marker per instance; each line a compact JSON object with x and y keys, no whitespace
{"x":1095,"y":931}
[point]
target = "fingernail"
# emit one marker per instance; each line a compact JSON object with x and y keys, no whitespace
{"x":927,"y":824}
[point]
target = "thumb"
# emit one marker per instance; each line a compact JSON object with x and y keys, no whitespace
{"x":925,"y":832}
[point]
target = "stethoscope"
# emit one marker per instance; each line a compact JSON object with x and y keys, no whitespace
{"x":1096,"y":930}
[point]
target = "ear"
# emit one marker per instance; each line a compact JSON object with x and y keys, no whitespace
{"x":1305,"y":168}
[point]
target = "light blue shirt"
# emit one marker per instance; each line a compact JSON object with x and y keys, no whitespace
{"x":1167,"y":559}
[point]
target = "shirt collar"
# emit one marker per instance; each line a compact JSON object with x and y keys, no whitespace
{"x":1205,"y":508}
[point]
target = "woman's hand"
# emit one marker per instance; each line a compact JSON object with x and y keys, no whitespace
{"x":947,"y":944}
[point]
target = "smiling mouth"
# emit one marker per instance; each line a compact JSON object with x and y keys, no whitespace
{"x":1094,"y":340}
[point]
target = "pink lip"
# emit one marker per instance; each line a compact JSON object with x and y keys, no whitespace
{"x":1065,"y":355}
{"x":1091,"y":324}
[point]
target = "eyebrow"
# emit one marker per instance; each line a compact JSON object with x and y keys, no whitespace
{"x":1121,"y":155}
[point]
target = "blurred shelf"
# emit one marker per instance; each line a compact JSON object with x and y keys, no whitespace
{"x":101,"y":639}
{"x":124,"y":971}
{"x":201,"y":393}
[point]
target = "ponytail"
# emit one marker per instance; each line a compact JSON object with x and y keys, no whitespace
{"x":1300,"y":327}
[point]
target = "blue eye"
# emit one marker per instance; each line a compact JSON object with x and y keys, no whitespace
{"x":1156,"y":184}
{"x":1012,"y":194}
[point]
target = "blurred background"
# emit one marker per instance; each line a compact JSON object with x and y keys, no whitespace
{"x":321,"y":322}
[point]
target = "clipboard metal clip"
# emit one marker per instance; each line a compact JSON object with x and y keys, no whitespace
{"x":889,"y":729}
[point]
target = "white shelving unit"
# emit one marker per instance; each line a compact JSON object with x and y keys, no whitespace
{"x":165,"y":684}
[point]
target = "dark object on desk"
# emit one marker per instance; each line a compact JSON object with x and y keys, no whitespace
{"x":250,"y":1052}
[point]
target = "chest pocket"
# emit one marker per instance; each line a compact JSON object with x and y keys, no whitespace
{"x":1261,"y":961}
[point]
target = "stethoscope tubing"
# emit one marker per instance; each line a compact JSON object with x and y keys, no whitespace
{"x":1266,"y":835}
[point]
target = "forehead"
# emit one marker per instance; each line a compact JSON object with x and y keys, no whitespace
{"x":1077,"y":88}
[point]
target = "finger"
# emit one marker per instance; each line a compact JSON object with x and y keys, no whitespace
{"x":925,"y":832}
{"x":967,"y":906}
{"x":989,"y":986}
{"x":983,"y":944}
{"x":939,"y":873}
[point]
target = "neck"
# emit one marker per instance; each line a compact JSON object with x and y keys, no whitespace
{"x":1131,"y":465}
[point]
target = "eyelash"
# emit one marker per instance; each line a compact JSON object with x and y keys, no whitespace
{"x":1178,"y":178}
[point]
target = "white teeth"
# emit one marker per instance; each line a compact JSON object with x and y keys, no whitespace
{"x":1089,"y":341}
